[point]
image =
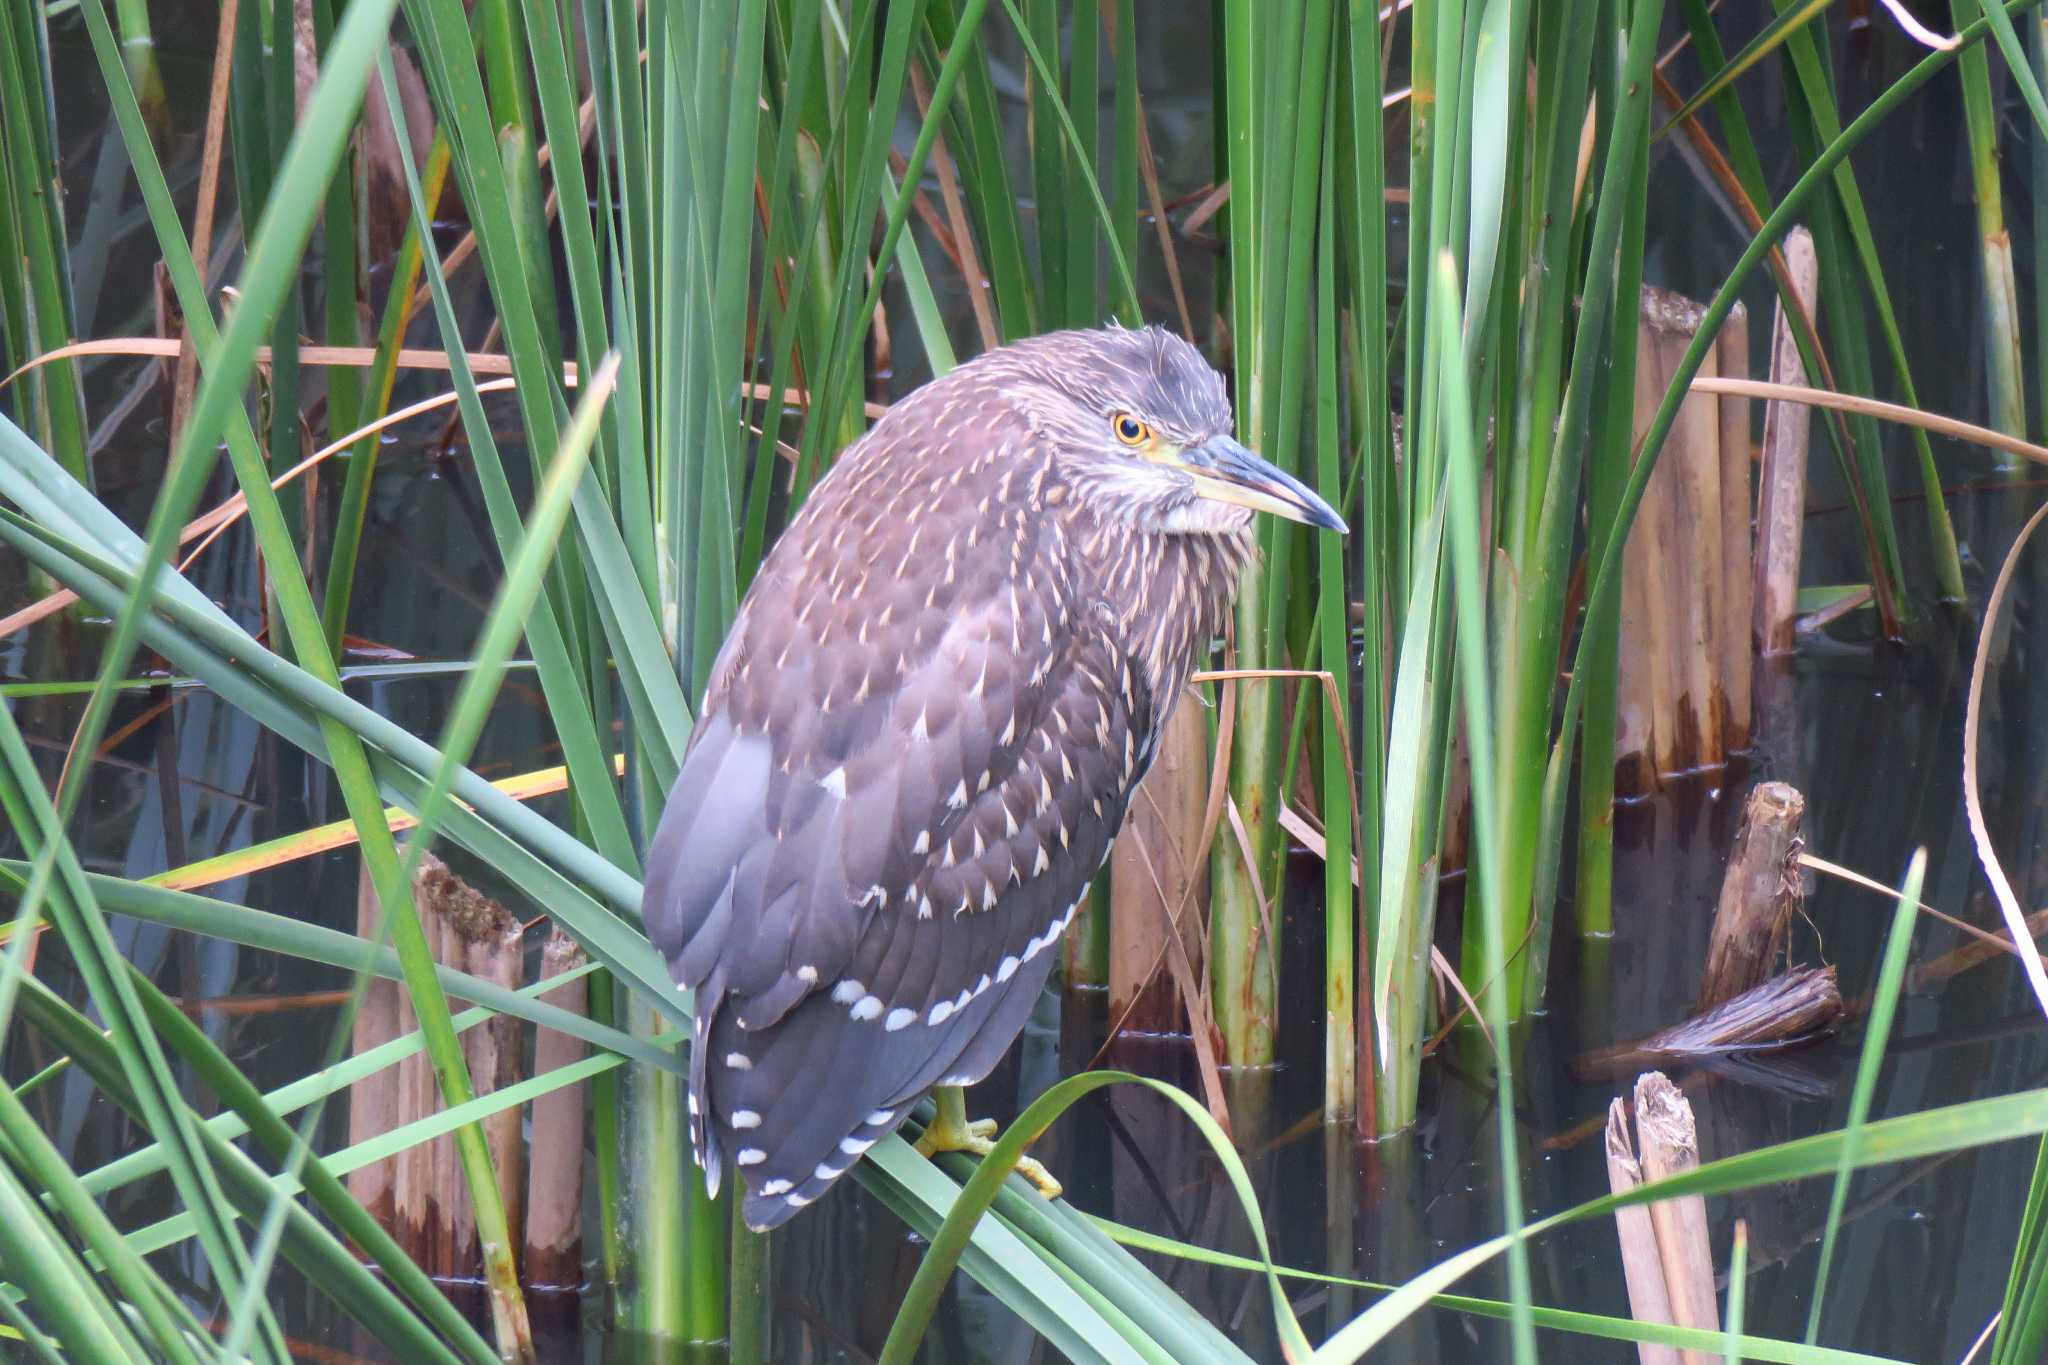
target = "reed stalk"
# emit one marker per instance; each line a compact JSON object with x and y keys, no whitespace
{"x":36,"y":312}
{"x":1276,"y":84}
{"x":2003,"y":374}
{"x":138,"y":54}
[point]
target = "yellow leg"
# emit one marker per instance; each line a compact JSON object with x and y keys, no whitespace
{"x":951,"y":1132}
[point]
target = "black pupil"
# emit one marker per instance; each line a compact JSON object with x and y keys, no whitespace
{"x":1128,"y":428}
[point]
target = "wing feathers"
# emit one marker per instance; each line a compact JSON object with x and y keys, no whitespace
{"x":881,"y":828}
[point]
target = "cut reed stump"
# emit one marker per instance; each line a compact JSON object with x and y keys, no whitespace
{"x":554,"y":1196}
{"x":1641,"y":1267}
{"x":483,"y":938}
{"x":1159,"y":883}
{"x":1759,"y":895}
{"x":1781,"y":481}
{"x":1684,"y":683}
{"x":1666,"y":1258}
{"x":448,"y":1195}
{"x":426,"y":1203}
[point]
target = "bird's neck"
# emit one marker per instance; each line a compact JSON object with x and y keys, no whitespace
{"x":1171,"y":592}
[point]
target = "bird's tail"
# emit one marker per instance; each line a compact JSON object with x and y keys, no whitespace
{"x":703,"y":1125}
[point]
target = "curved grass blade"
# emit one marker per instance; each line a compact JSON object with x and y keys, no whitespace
{"x":1060,"y":1305}
{"x":503,"y":842}
{"x":1932,"y":1132}
{"x":914,"y":1314}
{"x":107,"y":550}
{"x":1973,"y":802}
{"x":1550,"y":1319}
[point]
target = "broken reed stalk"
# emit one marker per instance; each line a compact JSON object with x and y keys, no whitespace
{"x":1782,"y":1012}
{"x":1684,"y":681}
{"x":1668,"y":1144}
{"x":554,"y":1196}
{"x":373,"y":1103}
{"x":1159,"y":883}
{"x":1731,"y":352}
{"x":1781,"y":480}
{"x":445,"y":1164}
{"x":1641,"y":1267}
{"x":481,"y":937}
{"x":424,"y":1200}
{"x":413,"y":1175}
{"x":1759,"y":894}
{"x":495,"y":1062}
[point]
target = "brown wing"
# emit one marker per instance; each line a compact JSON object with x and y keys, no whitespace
{"x":945,"y":965}
{"x":912,"y":759}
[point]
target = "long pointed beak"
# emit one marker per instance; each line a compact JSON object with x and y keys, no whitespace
{"x":1224,"y":471}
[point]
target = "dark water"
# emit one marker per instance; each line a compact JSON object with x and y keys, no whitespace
{"x":1869,"y":731}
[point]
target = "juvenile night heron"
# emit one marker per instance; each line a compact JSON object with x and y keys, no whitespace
{"x":920,"y":736}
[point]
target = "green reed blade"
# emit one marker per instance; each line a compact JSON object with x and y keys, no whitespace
{"x":1884,"y":1005}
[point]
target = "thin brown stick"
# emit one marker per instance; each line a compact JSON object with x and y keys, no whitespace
{"x":2000,"y":942}
{"x":407,"y":358}
{"x":961,"y":231}
{"x":186,"y":380}
{"x":1872,"y":407}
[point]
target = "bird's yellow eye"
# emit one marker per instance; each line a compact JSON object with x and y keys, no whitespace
{"x":1130,"y":430}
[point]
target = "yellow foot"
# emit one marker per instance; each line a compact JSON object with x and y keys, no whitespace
{"x":951,"y":1132}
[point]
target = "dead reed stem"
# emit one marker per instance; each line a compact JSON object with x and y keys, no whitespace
{"x":1642,"y":1268}
{"x":1669,"y":1145}
{"x":1157,"y":874}
{"x":1684,"y":677}
{"x":444,"y":1163}
{"x":1781,"y":481}
{"x":483,"y":938}
{"x":373,"y":1102}
{"x":1731,"y":350}
{"x":1782,"y":1012}
{"x":554,"y":1197}
{"x":413,"y":1175}
{"x":1759,"y":894}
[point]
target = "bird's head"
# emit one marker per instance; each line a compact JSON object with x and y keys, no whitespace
{"x":1145,"y":432}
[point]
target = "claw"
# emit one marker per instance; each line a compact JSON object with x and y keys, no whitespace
{"x":951,"y":1132}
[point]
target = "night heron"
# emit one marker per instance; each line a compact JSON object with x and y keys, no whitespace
{"x":919,"y":738}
